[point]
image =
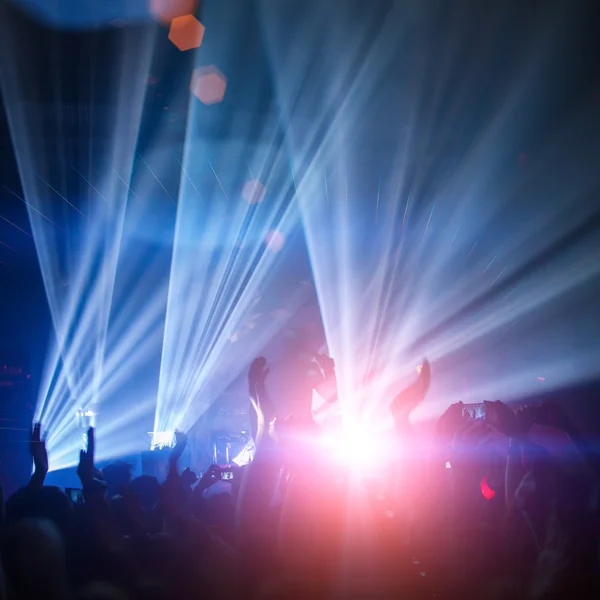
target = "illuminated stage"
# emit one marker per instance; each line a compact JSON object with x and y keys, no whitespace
{"x":179,"y":195}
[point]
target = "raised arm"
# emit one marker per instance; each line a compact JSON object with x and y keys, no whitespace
{"x":173,"y":477}
{"x":255,"y":522}
{"x":39,"y":454}
{"x":93,"y":489}
{"x":408,"y":399}
{"x":326,"y":386}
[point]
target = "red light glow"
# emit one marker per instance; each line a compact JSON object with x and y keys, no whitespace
{"x":487,"y":492}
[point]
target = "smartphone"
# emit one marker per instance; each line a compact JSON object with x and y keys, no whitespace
{"x":75,"y":494}
{"x":474,"y":411}
{"x":226,"y":475}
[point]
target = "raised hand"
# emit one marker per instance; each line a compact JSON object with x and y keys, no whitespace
{"x":85,"y":469}
{"x":257,"y":376}
{"x":181,"y":440}
{"x":37,"y":448}
{"x":407,"y":400}
{"x":326,"y":387}
{"x":188,"y":477}
{"x":209,"y":477}
{"x":39,"y":454}
{"x":325,"y":362}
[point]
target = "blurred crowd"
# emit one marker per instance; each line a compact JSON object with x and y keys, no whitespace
{"x":496,"y":503}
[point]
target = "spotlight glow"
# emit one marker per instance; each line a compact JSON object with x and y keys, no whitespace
{"x":162,"y":439}
{"x":216,"y":318}
{"x":360,"y":449}
{"x":79,"y":235}
{"x":213,"y":295}
{"x":443,"y":258}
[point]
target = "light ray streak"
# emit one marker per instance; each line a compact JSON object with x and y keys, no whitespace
{"x":430,"y":216}
{"x":120,"y":364}
{"x":553,"y":286}
{"x":383,"y":291}
{"x":430,"y":279}
{"x":315,"y":145}
{"x":61,"y":196}
{"x":217,"y":178}
{"x":454,"y":236}
{"x":16,"y":226}
{"x":196,"y":365}
{"x":127,"y":185}
{"x":378,"y":195}
{"x":490,"y":264}
{"x":123,"y":153}
{"x":474,"y":162}
{"x":212,"y":293}
{"x":31,"y":207}
{"x":472,"y":249}
{"x":498,"y":277}
{"x":489,"y":133}
{"x":134,"y":332}
{"x":347,"y":86}
{"x":541,"y":247}
{"x":508,"y":295}
{"x":157,"y":179}
{"x":207,"y":346}
{"x":406,"y":208}
{"x":80,"y":312}
{"x":184,"y":170}
{"x":9,"y":247}
{"x":88,"y":182}
{"x":111,"y":439}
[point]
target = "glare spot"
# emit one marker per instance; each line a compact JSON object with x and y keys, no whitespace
{"x":253,"y":191}
{"x":208,"y":85}
{"x":186,"y":32}
{"x":164,"y":11}
{"x":275,"y":241}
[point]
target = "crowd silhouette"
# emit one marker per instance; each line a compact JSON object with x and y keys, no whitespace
{"x":498,"y":503}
